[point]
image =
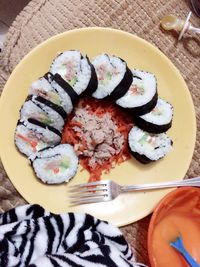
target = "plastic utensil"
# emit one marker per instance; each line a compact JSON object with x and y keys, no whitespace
{"x":178,"y":245}
{"x":171,"y":22}
{"x":177,"y":213}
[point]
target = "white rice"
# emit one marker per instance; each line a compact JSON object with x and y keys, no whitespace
{"x":161,"y":114}
{"x":43,"y":88}
{"x":66,"y":99}
{"x":147,"y":83}
{"x":161,"y":143}
{"x":68,"y":62}
{"x":52,"y":158}
{"x":113,"y":65}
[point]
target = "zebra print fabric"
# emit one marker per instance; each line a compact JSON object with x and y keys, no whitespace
{"x":33,"y":237}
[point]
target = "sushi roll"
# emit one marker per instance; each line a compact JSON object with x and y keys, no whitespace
{"x":159,"y":120}
{"x":56,"y":165}
{"x":43,"y":88}
{"x":76,"y":71}
{"x":32,"y":136}
{"x":114,"y":77}
{"x":37,"y":107}
{"x":146,"y":147}
{"x":142,"y":95}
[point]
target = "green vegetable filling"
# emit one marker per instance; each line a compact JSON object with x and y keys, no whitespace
{"x":147,"y":140}
{"x":107,"y":78}
{"x":64,"y":164}
{"x":73,"y":81}
{"x":53,"y":97}
{"x":143,"y":139}
{"x":45,"y":119}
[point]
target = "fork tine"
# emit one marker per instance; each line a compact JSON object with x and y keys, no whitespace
{"x":87,"y":201}
{"x":88,"y":193}
{"x":85,"y":190}
{"x":83,"y":196}
{"x":98,"y":183}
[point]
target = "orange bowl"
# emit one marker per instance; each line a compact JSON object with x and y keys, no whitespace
{"x":178,"y":213}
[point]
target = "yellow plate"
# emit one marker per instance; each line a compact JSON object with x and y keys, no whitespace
{"x":139,"y":54}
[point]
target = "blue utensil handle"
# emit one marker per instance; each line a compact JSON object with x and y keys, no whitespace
{"x":178,"y":245}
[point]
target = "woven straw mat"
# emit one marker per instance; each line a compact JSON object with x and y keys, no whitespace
{"x":42,"y":19}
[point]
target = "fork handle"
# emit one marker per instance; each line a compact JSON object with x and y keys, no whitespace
{"x":186,"y":182}
{"x":194,"y":29}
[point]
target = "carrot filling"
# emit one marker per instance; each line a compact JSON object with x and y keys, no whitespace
{"x":98,"y":130}
{"x":32,"y":143}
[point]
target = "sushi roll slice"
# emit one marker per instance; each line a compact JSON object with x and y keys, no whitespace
{"x":114,"y":77}
{"x":37,"y":123}
{"x":32,"y":136}
{"x":76,"y":70}
{"x":142,"y":95}
{"x":159,"y":120}
{"x":43,"y":88}
{"x":146,"y":147}
{"x":56,"y":165}
{"x":37,"y":107}
{"x":69,"y":96}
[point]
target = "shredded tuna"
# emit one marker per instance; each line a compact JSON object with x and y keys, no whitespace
{"x":98,"y":130}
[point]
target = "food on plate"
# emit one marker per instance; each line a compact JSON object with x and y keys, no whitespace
{"x":147,"y":147}
{"x":114,"y":77}
{"x":32,"y":136}
{"x":56,"y":164}
{"x":159,"y":120}
{"x":142,"y":95}
{"x":43,"y":88}
{"x":100,"y":126}
{"x":75,"y":70}
{"x":67,"y":93}
{"x":98,"y":130}
{"x":37,"y":107}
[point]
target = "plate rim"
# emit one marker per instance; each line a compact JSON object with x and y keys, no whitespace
{"x":107,"y":29}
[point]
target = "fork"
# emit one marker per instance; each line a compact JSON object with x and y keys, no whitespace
{"x":107,"y":190}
